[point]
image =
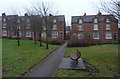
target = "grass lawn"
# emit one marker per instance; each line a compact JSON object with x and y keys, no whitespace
{"x":102,"y":57}
{"x":0,"y":52}
{"x":17,"y":60}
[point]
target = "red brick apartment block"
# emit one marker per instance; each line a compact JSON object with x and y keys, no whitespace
{"x":11,"y":22}
{"x":0,"y":26}
{"x":68,"y":32}
{"x":95,"y":28}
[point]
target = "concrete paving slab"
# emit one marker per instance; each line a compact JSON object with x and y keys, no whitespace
{"x":68,"y":63}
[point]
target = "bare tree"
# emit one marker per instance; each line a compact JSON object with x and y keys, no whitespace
{"x":112,"y":7}
{"x":14,"y":11}
{"x":45,"y":9}
{"x":18,"y":32}
{"x":36,"y":23}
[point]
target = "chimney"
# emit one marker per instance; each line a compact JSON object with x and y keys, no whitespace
{"x":26,"y":14}
{"x":50,"y":15}
{"x":84,"y":14}
{"x":99,"y":13}
{"x":3,"y":14}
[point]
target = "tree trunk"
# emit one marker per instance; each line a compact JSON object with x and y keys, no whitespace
{"x":18,"y":35}
{"x":47,"y":47}
{"x":18,"y":38}
{"x":35,"y":38}
{"x":40,"y":40}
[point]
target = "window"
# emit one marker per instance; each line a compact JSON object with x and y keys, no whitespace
{"x":4,"y":25}
{"x":95,"y":20}
{"x":80,"y":36}
{"x":54,"y":34}
{"x":107,"y":20}
{"x":18,"y":21}
{"x":95,"y":35}
{"x":67,"y":31}
{"x":18,"y":26}
{"x":4,"y":33}
{"x":54,"y":21}
{"x":43,"y":22}
{"x":80,"y":21}
{"x":43,"y":27}
{"x":28,"y":20}
{"x":23,"y":19}
{"x":119,"y":23}
{"x":4,"y":19}
{"x":95,"y":27}
{"x":54,"y":27}
{"x":60,"y":32}
{"x":0,"y":19}
{"x":20,"y":34}
{"x":28,"y":26}
{"x":108,"y":35}
{"x":28,"y":34}
{"x":107,"y":26}
{"x":44,"y":35}
{"x":80,"y":27}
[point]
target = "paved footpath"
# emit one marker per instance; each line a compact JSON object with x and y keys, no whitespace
{"x":48,"y":67}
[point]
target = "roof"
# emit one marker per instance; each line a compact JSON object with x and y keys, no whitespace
{"x":89,"y":18}
{"x":60,"y":18}
{"x":12,"y":18}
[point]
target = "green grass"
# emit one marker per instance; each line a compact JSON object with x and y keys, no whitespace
{"x":17,"y":60}
{"x":0,"y":53}
{"x":103,"y":57}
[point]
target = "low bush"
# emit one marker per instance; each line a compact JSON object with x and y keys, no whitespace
{"x":110,"y":42}
{"x":77,"y":43}
{"x":54,"y":41}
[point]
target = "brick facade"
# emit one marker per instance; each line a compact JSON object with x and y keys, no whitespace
{"x":10,"y":23}
{"x":94,"y":28}
{"x":0,"y":26}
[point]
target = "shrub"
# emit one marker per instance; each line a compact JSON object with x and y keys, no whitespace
{"x":54,"y":41}
{"x":77,"y":43}
{"x":110,"y":42}
{"x":97,"y":42}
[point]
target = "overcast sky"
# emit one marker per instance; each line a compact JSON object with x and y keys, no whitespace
{"x":65,"y":7}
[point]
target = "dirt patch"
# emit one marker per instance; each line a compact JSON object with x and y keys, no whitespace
{"x":92,"y":70}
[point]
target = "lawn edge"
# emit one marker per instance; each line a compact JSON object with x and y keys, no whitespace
{"x":22,"y":74}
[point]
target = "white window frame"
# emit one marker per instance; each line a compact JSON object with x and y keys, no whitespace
{"x":95,"y":27}
{"x":80,"y":27}
{"x":108,"y":35}
{"x":43,"y":35}
{"x":4,"y":33}
{"x":107,"y":20}
{"x":108,"y":26}
{"x":95,"y":20}
{"x":28,"y":34}
{"x":54,"y":21}
{"x":54,"y":27}
{"x":54,"y":34}
{"x":94,"y":36}
{"x":4,"y":19}
{"x":80,"y":21}
{"x":4,"y":25}
{"x":28,"y":26}
{"x":80,"y":35}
